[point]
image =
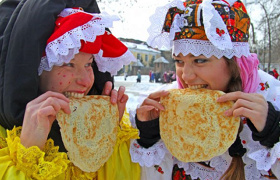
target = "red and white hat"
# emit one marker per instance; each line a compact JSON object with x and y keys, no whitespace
{"x":77,"y":31}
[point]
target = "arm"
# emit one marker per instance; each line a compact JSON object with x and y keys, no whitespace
{"x":149,"y":132}
{"x":263,"y":118}
{"x":147,"y":119}
{"x":271,"y":132}
{"x":39,"y":116}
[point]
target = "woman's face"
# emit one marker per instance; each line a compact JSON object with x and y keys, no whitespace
{"x":72,"y":79}
{"x":200,"y":72}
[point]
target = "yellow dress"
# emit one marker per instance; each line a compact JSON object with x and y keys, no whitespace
{"x":18,"y":162}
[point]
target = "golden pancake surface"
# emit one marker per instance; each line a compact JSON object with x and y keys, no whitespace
{"x":193,"y":125}
{"x":89,"y":133}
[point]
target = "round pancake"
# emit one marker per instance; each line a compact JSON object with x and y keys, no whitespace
{"x":193,"y":125}
{"x":89,"y":133}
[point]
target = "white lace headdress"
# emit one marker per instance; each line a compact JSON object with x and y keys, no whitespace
{"x":77,"y":31}
{"x":208,"y":27}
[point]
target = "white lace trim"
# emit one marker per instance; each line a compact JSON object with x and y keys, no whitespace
{"x":275,"y":169}
{"x":219,"y":165}
{"x":212,"y":21}
{"x":251,"y":170}
{"x":157,"y":38}
{"x":265,"y":158}
{"x":206,"y":48}
{"x":69,"y":11}
{"x":217,"y":46}
{"x":261,"y":157}
{"x":147,"y":157}
{"x":64,"y":48}
{"x":112,"y":65}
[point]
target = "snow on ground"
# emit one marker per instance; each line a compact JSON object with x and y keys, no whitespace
{"x":136,"y":91}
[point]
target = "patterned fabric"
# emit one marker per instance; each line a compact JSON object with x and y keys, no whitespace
{"x":180,"y":174}
{"x":235,"y":18}
{"x":208,"y":27}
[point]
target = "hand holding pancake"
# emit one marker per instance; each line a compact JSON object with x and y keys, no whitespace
{"x":39,"y":117}
{"x":118,"y":97}
{"x":249,"y":105}
{"x":151,"y":106}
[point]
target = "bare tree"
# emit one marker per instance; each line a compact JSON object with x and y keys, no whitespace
{"x":270,"y":26}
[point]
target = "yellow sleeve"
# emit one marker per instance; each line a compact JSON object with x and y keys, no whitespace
{"x":18,"y":162}
{"x":119,"y":166}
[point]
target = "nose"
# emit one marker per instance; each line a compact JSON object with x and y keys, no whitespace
{"x":84,"y":78}
{"x":188,"y":73}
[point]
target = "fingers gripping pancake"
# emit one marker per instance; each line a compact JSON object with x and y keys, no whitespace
{"x":89,"y":133}
{"x":193,"y":126}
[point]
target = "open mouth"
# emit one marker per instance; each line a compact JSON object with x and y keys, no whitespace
{"x":74,"y":94}
{"x":197,"y":86}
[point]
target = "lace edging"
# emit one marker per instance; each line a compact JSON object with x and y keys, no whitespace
{"x":258,"y":158}
{"x":218,"y":165}
{"x":112,"y":65}
{"x":34,"y":162}
{"x":265,"y":158}
{"x":147,"y":157}
{"x":212,"y":21}
{"x":206,"y":48}
{"x":64,"y":48}
{"x":165,"y":40}
{"x":157,"y":38}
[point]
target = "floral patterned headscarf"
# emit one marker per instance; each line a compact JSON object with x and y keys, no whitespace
{"x":217,"y":28}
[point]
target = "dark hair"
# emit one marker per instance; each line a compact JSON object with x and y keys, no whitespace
{"x":236,"y":168}
{"x":235,"y":83}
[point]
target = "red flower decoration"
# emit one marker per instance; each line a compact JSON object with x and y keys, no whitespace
{"x":262,"y":86}
{"x":159,"y":169}
{"x":231,"y":22}
{"x":136,"y":145}
{"x":239,"y":5}
{"x":220,"y":32}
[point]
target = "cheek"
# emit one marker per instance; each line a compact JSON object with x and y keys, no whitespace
{"x":92,"y":78}
{"x":179,"y":73}
{"x":61,"y":80}
{"x":220,"y":79}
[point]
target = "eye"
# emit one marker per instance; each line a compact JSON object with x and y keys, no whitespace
{"x":68,"y":64}
{"x":178,"y":61}
{"x":89,"y":64}
{"x":199,"y":61}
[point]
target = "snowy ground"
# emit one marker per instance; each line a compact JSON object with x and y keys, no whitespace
{"x":136,"y":91}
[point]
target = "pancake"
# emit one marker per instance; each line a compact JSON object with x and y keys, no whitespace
{"x":89,"y":133}
{"x":193,"y":125}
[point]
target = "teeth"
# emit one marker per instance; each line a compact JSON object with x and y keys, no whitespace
{"x":197,"y":86}
{"x":73,"y":94}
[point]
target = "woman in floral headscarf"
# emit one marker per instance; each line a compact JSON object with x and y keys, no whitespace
{"x":209,"y":40}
